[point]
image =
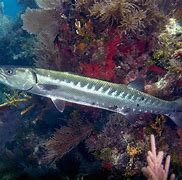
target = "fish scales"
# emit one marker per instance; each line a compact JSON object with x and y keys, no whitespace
{"x":63,"y":86}
{"x":89,"y":91}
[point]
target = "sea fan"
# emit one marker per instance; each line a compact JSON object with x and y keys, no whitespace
{"x":65,"y":139}
{"x":37,"y":20}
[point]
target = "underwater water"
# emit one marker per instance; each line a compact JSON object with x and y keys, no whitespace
{"x":11,"y":8}
{"x":90,"y":89}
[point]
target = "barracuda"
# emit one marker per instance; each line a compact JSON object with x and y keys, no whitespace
{"x":63,"y":86}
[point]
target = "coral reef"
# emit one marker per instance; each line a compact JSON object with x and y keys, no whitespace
{"x":113,"y":40}
{"x":118,"y":145}
{"x":124,"y":145}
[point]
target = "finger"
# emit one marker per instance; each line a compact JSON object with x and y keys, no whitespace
{"x":153,"y":147}
{"x":160,"y":158}
{"x":150,"y":162}
{"x":166,"y":168}
{"x":167,"y":164}
{"x":151,"y":173}
{"x":172,"y":177}
{"x":152,"y":158}
{"x":151,"y":155}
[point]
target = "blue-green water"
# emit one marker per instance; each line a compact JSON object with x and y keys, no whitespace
{"x":12,"y":9}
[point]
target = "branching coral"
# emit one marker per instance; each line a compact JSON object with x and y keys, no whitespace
{"x":155,"y":170}
{"x":65,"y":139}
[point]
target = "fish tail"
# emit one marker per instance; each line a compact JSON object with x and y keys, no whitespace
{"x":176,"y":115}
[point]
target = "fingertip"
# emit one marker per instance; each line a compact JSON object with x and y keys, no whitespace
{"x":172,"y":177}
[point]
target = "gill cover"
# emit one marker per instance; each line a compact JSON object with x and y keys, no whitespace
{"x":19,"y":78}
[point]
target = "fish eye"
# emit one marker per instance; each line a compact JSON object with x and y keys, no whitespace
{"x":9,"y":72}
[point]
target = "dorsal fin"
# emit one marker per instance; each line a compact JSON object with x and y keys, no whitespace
{"x":137,"y":84}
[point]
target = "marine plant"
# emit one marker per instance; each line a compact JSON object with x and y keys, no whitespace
{"x":66,"y":138}
{"x":112,"y":11}
{"x":130,"y":16}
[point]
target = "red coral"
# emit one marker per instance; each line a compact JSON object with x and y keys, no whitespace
{"x":105,"y":71}
{"x":107,"y":165}
{"x":156,"y":69}
{"x":138,"y":45}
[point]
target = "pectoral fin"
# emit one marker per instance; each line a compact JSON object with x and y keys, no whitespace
{"x":59,"y":104}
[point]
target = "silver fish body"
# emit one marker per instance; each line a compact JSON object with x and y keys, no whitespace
{"x":63,"y":86}
{"x":97,"y":93}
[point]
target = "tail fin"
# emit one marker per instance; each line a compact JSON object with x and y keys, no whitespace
{"x":176,"y":116}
